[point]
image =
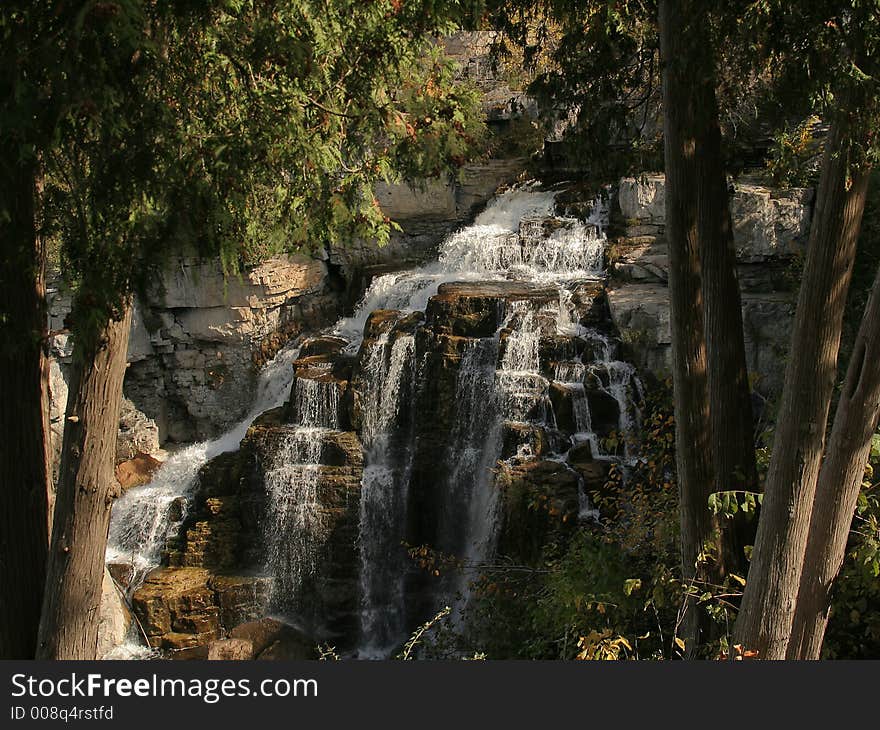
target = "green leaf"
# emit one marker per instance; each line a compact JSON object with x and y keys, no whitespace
{"x":630,"y":585}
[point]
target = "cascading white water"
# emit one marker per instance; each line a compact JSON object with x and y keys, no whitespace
{"x":517,"y":236}
{"x":144,"y":517}
{"x":493,"y":248}
{"x":295,"y":529}
{"x":388,"y":373}
{"x":315,"y":403}
{"x":470,"y":514}
{"x":619,"y":381}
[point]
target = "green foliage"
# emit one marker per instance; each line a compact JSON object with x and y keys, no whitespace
{"x":854,"y":625}
{"x":793,"y":160}
{"x":729,"y":503}
{"x":236,"y":129}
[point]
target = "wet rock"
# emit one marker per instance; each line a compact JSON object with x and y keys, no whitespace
{"x":114,"y":618}
{"x":604,"y":412}
{"x":268,"y":638}
{"x":322,"y":345}
{"x":523,"y":440}
{"x":327,"y":377}
{"x":230,"y":650}
{"x":240,"y":598}
{"x":477,"y":309}
{"x":121,"y":573}
{"x":136,"y":471}
{"x":539,"y":501}
{"x":593,"y":471}
{"x":561,"y":397}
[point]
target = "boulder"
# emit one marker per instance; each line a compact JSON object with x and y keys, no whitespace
{"x":643,"y":198}
{"x":230,"y":650}
{"x":114,"y":618}
{"x":170,"y":596}
{"x":477,"y":309}
{"x":136,"y":471}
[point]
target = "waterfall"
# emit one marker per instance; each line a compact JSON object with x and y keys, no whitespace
{"x":145,"y":517}
{"x":294,"y":528}
{"x":469,"y":516}
{"x":492,"y":248}
{"x":498,"y":379}
{"x":618,"y":379}
{"x":389,"y":377}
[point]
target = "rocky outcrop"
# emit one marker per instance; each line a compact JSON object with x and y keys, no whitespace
{"x":114,"y":618}
{"x":136,"y":471}
{"x":771,"y":228}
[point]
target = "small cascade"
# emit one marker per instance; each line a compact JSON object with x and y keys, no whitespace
{"x":495,"y":247}
{"x":469,"y":517}
{"x":293,"y":526}
{"x":521,"y":387}
{"x":145,"y":517}
{"x":315,"y":403}
{"x":294,"y":529}
{"x":389,"y":379}
{"x":618,"y":379}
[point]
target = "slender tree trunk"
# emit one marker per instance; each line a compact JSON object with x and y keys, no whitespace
{"x":86,"y":489}
{"x":24,"y":455}
{"x":689,"y":358}
{"x":765,"y":619}
{"x":840,"y":480}
{"x":730,"y":404}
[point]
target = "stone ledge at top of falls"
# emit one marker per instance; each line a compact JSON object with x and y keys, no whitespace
{"x":476,"y":309}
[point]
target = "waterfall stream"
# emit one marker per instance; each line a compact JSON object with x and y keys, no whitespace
{"x":144,"y":517}
{"x":499,"y":380}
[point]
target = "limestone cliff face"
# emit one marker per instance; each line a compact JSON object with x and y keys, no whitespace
{"x":199,"y":338}
{"x":771,"y":228}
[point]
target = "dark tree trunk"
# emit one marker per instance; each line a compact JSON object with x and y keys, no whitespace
{"x":689,"y":358}
{"x":730,"y":404}
{"x":765,"y":619}
{"x":840,"y":480}
{"x":85,"y":493}
{"x":24,"y":455}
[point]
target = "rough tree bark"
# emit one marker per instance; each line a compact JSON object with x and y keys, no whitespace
{"x":765,"y":619}
{"x":24,"y":453}
{"x":840,"y":480}
{"x":689,"y":357}
{"x":730,"y":404}
{"x":85,"y":493}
